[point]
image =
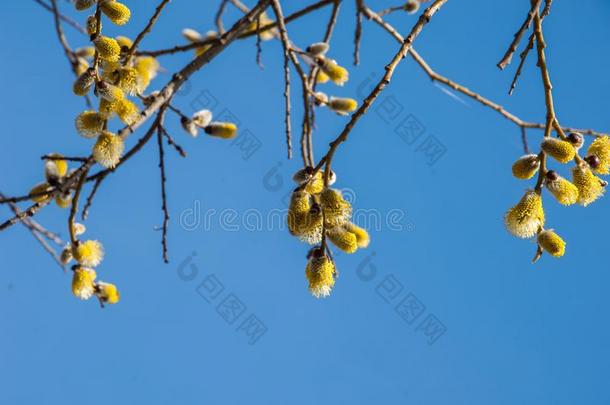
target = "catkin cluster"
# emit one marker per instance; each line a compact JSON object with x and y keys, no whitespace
{"x":109,"y":68}
{"x":527,"y":219}
{"x":317,"y":214}
{"x":88,"y":254}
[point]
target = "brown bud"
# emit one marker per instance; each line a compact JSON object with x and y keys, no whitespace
{"x":551,"y":175}
{"x":593,"y":161}
{"x":576,"y":139}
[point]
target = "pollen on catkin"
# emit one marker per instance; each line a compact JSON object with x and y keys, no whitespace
{"x":83,"y":285}
{"x":107,"y":108}
{"x":107,"y":48}
{"x":300,"y":202}
{"x":322,"y":77}
{"x":83,"y":83}
{"x":320,"y":272}
{"x":338,"y":74}
{"x":308,"y":226}
{"x":88,"y":253}
{"x":117,"y":12}
{"x":337,"y":211}
{"x":224,"y":130}
{"x":563,"y":190}
{"x":38,"y":193}
{"x":127,"y":111}
{"x":316,"y":184}
{"x":551,"y":243}
{"x":147,"y":68}
{"x":127,"y":80}
{"x":343,"y":239}
{"x":600,"y":148}
{"x":110,"y":92}
{"x":527,"y":217}
{"x":342,"y":106}
{"x":108,"y":149}
{"x":89,"y":123}
{"x":526,"y":166}
{"x":589,"y":185}
{"x":562,"y":151}
{"x":362,"y":236}
{"x":108,"y":293}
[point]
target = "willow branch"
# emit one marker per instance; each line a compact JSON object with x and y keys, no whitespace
{"x":385,"y":80}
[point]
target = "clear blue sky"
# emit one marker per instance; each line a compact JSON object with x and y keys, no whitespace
{"x":515,"y":333}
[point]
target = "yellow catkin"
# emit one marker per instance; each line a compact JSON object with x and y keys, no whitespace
{"x":127,"y":80}
{"x":108,"y":149}
{"x":224,"y":130}
{"x":147,"y":68}
{"x":337,"y":211}
{"x":526,"y":167}
{"x":83,"y":83}
{"x":322,"y":77}
{"x":124,"y":42}
{"x":263,"y":20}
{"x":562,"y":151}
{"x":342,"y":106}
{"x":37,"y":193}
{"x":337,"y":74}
{"x":83,"y":285}
{"x":527,"y":217}
{"x":88,"y":253}
{"x":600,"y":148}
{"x":316,"y":184}
{"x":306,"y":226}
{"x":107,"y":48}
{"x":117,"y":12}
{"x":89,"y":123}
{"x":110,"y":92}
{"x":551,"y":243}
{"x":108,"y":293}
{"x":64,"y":200}
{"x":362,"y":236}
{"x":107,"y":108}
{"x":127,"y":111}
{"x":81,"y":66}
{"x":563,"y":190}
{"x":320,"y":273}
{"x":55,"y":169}
{"x":589,"y":185}
{"x":344,"y":240}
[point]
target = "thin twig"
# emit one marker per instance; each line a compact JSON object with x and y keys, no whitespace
{"x":146,"y":29}
{"x":172,"y":143}
{"x":385,"y":80}
{"x":508,"y":55}
{"x":64,"y":18}
{"x":286,"y":46}
{"x":163,"y":190}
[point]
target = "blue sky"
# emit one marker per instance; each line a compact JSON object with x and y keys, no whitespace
{"x":513,"y":332}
